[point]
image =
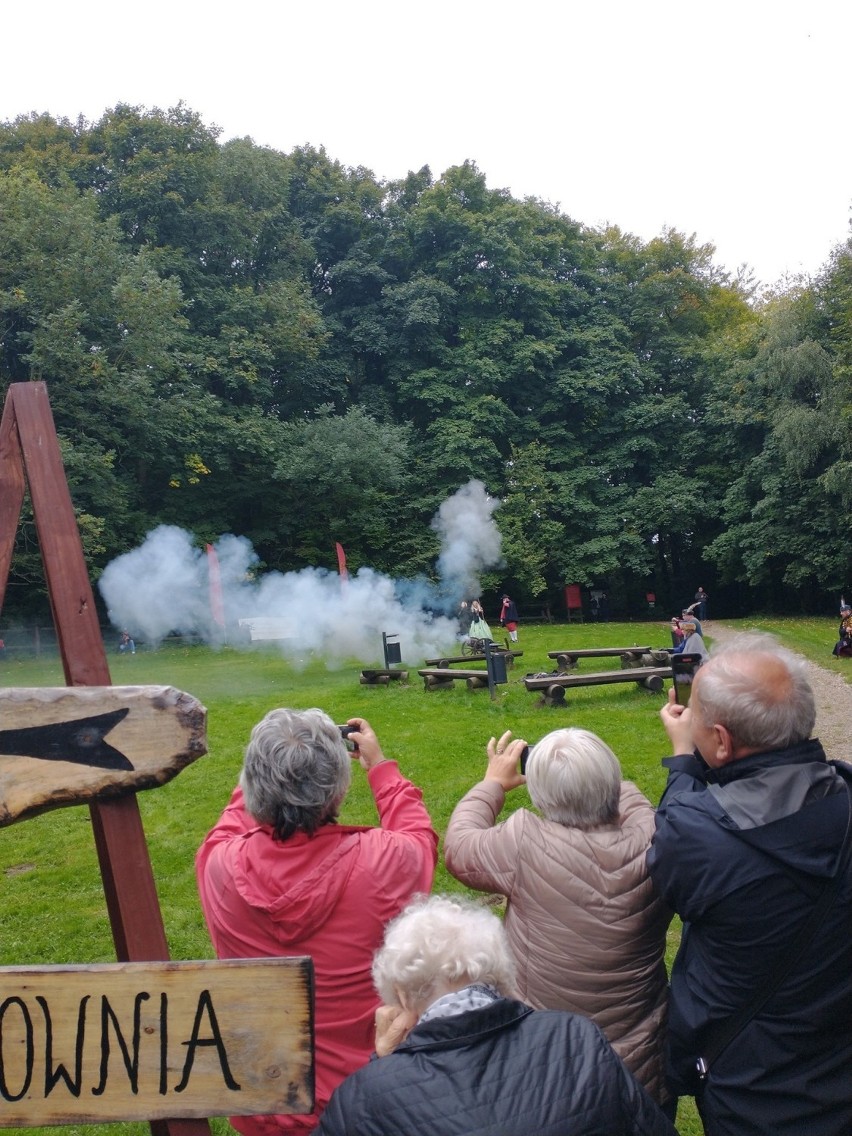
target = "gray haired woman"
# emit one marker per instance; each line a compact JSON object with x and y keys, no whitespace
{"x":459,"y":1054}
{"x":585,"y":925}
{"x":278,"y":875}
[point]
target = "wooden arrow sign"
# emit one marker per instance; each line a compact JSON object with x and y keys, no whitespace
{"x":72,"y":745}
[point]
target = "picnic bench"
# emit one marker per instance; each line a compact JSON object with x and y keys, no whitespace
{"x":440,"y":678}
{"x":552,"y":687}
{"x":445,"y":661}
{"x":381,"y":677}
{"x":566,"y":660}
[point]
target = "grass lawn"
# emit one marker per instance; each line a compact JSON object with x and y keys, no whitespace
{"x":53,"y":906}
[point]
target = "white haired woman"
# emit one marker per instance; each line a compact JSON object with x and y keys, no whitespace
{"x":279,"y":876}
{"x":585,"y":925}
{"x":459,"y":1054}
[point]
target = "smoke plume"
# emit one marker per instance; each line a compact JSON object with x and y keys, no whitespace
{"x":163,"y":587}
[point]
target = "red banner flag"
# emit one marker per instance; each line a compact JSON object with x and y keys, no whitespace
{"x":341,"y":561}
{"x":217,"y":602}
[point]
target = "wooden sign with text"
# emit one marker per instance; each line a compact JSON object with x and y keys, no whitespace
{"x":142,"y":1041}
{"x":72,"y":745}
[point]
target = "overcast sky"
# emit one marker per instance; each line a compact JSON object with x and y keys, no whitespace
{"x":729,"y":120}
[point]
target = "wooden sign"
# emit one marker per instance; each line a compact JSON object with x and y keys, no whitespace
{"x":146,"y":1041}
{"x":77,"y":744}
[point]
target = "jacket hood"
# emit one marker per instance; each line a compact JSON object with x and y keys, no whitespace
{"x":791,"y":805}
{"x":296,"y":882}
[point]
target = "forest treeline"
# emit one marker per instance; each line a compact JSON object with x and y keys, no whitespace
{"x":272,"y":344}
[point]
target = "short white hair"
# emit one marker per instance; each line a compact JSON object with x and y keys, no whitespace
{"x":442,"y":941}
{"x":759,"y":691}
{"x":574,"y":778}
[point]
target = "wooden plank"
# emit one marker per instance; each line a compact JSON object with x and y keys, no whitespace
{"x":73,"y":745}
{"x":445,"y":672}
{"x":146,"y":1041}
{"x":567,"y":659}
{"x":638,"y":674}
{"x":450,"y":660}
{"x":380,"y":677}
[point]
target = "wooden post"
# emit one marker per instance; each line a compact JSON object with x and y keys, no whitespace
{"x":29,"y":449}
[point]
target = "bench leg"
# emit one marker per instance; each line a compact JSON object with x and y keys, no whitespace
{"x":554,"y":696}
{"x":654,"y":683}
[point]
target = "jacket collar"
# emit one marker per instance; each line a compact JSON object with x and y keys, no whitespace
{"x":802,"y":754}
{"x":461,"y":1029}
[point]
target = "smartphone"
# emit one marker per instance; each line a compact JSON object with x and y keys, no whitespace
{"x":683,"y":665}
{"x":522,"y":764}
{"x":345,"y":731}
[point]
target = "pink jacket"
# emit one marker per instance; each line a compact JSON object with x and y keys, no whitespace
{"x":329,"y":896}
{"x":585,"y":925}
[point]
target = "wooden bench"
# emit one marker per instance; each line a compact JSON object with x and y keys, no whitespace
{"x":440,"y":678}
{"x":566,"y":660}
{"x":451,"y":660}
{"x":380,"y":677}
{"x":552,"y":687}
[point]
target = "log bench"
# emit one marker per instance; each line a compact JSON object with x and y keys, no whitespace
{"x":440,"y":678}
{"x":566,"y":660}
{"x":552,"y":687}
{"x":451,"y":660}
{"x":380,"y":677}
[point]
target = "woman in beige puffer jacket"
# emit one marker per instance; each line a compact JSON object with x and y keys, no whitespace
{"x":584,"y":923}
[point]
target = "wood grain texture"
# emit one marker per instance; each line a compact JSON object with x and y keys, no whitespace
{"x":147,"y":1041}
{"x":162,"y":730}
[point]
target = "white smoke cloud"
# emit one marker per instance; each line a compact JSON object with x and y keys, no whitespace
{"x":470,"y":541}
{"x":163,"y":587}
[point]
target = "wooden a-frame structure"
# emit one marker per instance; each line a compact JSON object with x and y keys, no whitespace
{"x":30,"y":457}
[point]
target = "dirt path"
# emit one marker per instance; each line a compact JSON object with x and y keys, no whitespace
{"x":833,"y":702}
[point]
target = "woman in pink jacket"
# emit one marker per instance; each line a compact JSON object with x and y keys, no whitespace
{"x":585,"y":925}
{"x":279,"y":876}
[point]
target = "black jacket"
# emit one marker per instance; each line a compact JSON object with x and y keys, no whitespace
{"x":505,"y":1070}
{"x":741,"y":854}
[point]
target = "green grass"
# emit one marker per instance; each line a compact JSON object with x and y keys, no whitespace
{"x":53,"y":906}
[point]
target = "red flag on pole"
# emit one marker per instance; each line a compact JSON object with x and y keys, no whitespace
{"x":217,"y":603}
{"x":341,"y":561}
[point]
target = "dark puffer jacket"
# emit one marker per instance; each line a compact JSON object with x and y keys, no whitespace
{"x":505,"y":1070}
{"x":741,"y":854}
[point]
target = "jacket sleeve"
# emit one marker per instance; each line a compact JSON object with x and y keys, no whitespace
{"x":642,"y":1115}
{"x":677,"y":856}
{"x":475,"y":851}
{"x":401,"y":809}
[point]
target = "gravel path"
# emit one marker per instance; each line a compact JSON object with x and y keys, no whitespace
{"x":833,"y":702}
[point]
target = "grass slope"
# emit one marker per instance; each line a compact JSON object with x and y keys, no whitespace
{"x":53,"y":906}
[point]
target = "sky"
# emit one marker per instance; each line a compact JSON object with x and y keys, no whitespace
{"x":728,"y":120}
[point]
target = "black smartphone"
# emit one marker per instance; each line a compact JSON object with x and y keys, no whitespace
{"x":685,"y":665}
{"x":522,"y":764}
{"x":345,"y":731}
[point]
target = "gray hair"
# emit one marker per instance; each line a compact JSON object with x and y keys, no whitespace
{"x":296,"y":771}
{"x":759,"y":691}
{"x":442,"y":942}
{"x":574,"y":778}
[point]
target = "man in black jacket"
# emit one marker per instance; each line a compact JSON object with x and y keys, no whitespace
{"x":457,"y":1055}
{"x":750,"y":833}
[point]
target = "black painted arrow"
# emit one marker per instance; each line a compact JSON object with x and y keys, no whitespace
{"x":81,"y":741}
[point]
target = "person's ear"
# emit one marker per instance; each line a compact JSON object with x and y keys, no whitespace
{"x":724,"y":744}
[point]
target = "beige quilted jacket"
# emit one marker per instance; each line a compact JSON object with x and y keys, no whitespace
{"x":585,"y":926}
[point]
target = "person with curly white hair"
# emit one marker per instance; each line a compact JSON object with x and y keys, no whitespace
{"x":458,"y":1054}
